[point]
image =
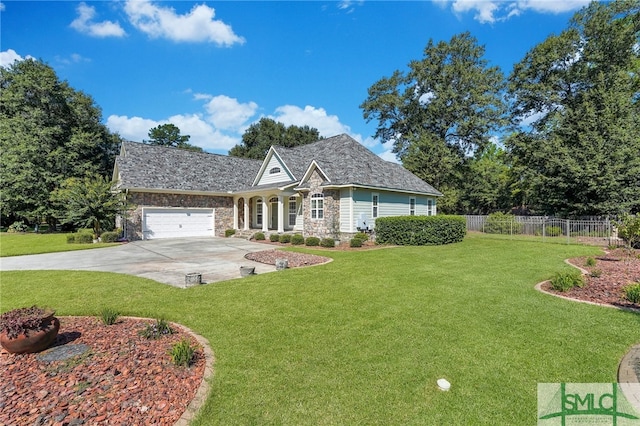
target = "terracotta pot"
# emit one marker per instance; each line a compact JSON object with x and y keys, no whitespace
{"x":35,"y":340}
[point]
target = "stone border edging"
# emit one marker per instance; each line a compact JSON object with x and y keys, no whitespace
{"x":200,"y":397}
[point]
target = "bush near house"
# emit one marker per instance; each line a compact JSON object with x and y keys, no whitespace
{"x":259,"y":236}
{"x":328,"y":242}
{"x":110,"y":236}
{"x":285,"y":238}
{"x":297,"y":240}
{"x":312,"y":241}
{"x":229,"y":232}
{"x":355,"y":242}
{"x":274,"y":238}
{"x":420,"y":230}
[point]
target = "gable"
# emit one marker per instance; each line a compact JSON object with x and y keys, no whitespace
{"x":273,"y":170}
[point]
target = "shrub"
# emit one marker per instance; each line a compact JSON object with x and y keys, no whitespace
{"x":182,"y":353}
{"x":156,"y":330}
{"x":109,"y":236}
{"x":71,"y":239}
{"x":312,"y":241}
{"x":297,"y":239}
{"x":355,"y":242}
{"x":629,"y":230}
{"x":83,"y":238}
{"x":327,"y":242}
{"x":632,"y":293}
{"x":596,"y":273}
{"x":274,"y":238}
{"x":502,"y":223}
{"x":362,"y":236}
{"x":420,"y":230}
{"x":590,"y":261}
{"x":565,"y":281}
{"x":553,"y":231}
{"x":285,"y":238}
{"x":109,"y":316}
{"x":229,"y":232}
{"x":259,"y":236}
{"x":22,"y":320}
{"x":18,"y":226}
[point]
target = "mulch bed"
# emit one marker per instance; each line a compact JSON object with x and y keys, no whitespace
{"x":122,"y":379}
{"x":616,"y":269}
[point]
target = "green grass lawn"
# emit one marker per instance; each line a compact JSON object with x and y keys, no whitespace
{"x":20,"y":244}
{"x":363,"y":339}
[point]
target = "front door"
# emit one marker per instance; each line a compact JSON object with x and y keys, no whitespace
{"x":274,"y":214}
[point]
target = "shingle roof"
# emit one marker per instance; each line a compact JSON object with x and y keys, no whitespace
{"x":347,"y":162}
{"x":341,"y":158}
{"x":162,"y":168}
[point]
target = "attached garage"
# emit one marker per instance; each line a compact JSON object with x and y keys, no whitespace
{"x":177,"y":223}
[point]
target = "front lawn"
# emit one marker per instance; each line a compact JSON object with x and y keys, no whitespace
{"x":32,"y":243}
{"x":363,"y":339}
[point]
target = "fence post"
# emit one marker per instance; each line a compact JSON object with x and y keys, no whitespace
{"x":568,"y":232}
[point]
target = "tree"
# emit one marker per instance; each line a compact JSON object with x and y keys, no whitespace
{"x":48,"y":133}
{"x":580,"y":91}
{"x":260,"y":136}
{"x":169,"y":135}
{"x":88,"y":202}
{"x":441,"y":111}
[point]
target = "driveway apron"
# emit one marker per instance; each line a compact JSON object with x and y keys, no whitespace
{"x":165,"y":260}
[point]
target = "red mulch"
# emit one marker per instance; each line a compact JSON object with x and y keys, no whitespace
{"x":124,"y":378}
{"x":617,"y":268}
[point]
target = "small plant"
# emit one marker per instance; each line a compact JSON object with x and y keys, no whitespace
{"x":312,"y":242}
{"x":565,"y":281}
{"x":632,"y":293}
{"x":362,"y":236}
{"x":109,"y":236}
{"x":328,"y":242}
{"x":109,"y":316}
{"x":83,"y":238}
{"x":590,"y":261}
{"x":274,"y":238}
{"x":297,"y":240}
{"x":182,"y":353}
{"x":229,"y":232}
{"x":259,"y":236}
{"x":553,"y":231}
{"x":285,"y":238}
{"x":22,"y":320}
{"x":156,"y":330}
{"x":355,"y":242}
{"x":596,"y":273}
{"x":18,"y":226}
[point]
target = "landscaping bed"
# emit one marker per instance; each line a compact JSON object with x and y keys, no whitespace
{"x":604,"y":281}
{"x":119,"y":378}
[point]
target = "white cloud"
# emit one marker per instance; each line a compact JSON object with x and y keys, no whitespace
{"x":74,"y":58}
{"x":196,"y":26}
{"x":83,"y":23}
{"x":227,"y":113}
{"x":491,"y":11}
{"x":388,"y":155}
{"x":2,"y":7}
{"x":327,"y":125}
{"x":8,"y":57}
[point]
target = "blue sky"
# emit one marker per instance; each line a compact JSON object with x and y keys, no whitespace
{"x":214,"y":68}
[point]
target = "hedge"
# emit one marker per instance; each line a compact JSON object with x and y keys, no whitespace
{"x":420,"y":230}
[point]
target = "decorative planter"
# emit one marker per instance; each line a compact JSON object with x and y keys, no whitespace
{"x":245,"y":271}
{"x":34,"y":340}
{"x":192,"y":279}
{"x":282,"y":264}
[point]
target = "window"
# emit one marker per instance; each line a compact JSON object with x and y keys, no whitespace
{"x":412,"y":206}
{"x":374,"y":205}
{"x":430,"y":207}
{"x":292,"y":211}
{"x":259,"y":212}
{"x":317,"y":206}
{"x":274,"y":170}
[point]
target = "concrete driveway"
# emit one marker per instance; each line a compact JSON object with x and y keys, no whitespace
{"x":164,"y":260}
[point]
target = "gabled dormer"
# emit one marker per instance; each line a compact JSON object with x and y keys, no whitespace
{"x":313,"y":172}
{"x":273,"y":170}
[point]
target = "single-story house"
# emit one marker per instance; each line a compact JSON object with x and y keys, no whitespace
{"x":330,"y":188}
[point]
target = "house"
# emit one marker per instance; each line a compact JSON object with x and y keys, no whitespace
{"x":328,"y":188}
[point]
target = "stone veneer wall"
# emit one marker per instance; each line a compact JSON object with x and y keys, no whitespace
{"x":223,"y":206}
{"x":321,"y":228}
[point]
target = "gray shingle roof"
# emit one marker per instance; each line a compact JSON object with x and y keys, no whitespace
{"x":341,"y":158}
{"x":162,"y":168}
{"x":347,"y":162}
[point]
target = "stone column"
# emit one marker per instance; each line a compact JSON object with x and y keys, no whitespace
{"x":246,"y":214}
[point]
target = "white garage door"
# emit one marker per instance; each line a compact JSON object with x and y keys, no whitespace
{"x":176,"y":223}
